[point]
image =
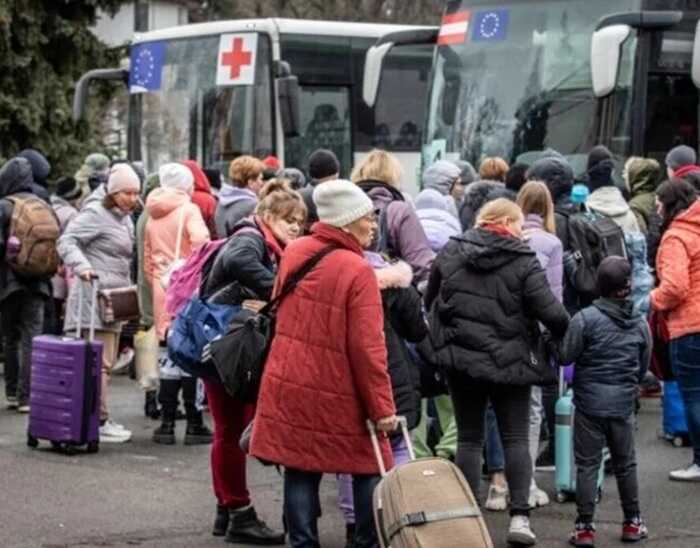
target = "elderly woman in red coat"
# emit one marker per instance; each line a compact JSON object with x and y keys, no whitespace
{"x":327,"y":369}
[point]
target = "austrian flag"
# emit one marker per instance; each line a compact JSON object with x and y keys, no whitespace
{"x":454,"y":28}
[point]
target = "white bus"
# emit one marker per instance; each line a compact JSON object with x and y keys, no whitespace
{"x":214,"y":91}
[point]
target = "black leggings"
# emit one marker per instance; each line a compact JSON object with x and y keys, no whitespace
{"x":512,"y":407}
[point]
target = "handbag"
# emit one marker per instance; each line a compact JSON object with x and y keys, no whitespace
{"x":120,"y":304}
{"x":178,"y":262}
{"x":239,"y":356}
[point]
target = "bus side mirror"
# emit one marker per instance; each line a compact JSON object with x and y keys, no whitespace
{"x":373,"y":72}
{"x":606,"y":50}
{"x":288,"y":96}
{"x":695,"y":69}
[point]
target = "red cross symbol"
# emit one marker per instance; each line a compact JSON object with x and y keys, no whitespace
{"x":237,"y":58}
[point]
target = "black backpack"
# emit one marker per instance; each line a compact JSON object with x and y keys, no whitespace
{"x":592,"y":238}
{"x":239,"y":355}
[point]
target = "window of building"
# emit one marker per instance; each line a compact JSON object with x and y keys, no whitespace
{"x":141,"y":13}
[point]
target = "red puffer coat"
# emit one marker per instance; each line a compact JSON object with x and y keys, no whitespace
{"x":327,"y":369}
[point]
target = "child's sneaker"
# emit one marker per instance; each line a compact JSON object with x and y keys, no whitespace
{"x":634,"y":530}
{"x":583,"y":535}
{"x":497,"y":500}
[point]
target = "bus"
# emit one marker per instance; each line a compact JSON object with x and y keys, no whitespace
{"x":283,"y":87}
{"x":513,"y":78}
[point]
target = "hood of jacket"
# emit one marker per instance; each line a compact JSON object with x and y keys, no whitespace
{"x":390,"y":275}
{"x":230,"y":195}
{"x":483,"y":250}
{"x":162,"y":201}
{"x":40,"y":165}
{"x":201,"y":182}
{"x":16,"y":176}
{"x":644,"y":175}
{"x":96,"y":196}
{"x":432,"y":199}
{"x":621,"y":311}
{"x":609,"y":201}
{"x":380,"y":192}
{"x":689,"y":220}
{"x":556,"y":173}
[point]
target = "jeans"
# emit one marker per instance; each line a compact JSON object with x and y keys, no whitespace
{"x":22,"y":320}
{"x":685,"y":362}
{"x":345,"y":500}
{"x":512,"y":407}
{"x":495,"y":459}
{"x":228,"y":461}
{"x":302,"y":508}
{"x":591,"y":435}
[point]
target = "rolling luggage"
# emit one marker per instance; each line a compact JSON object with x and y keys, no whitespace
{"x":675,"y":423}
{"x":425,"y":503}
{"x":65,"y":387}
{"x":564,"y":459}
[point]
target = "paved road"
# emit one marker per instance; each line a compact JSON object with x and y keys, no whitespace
{"x":141,"y":494}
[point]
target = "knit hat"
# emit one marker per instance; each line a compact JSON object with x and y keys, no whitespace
{"x":467,"y":172}
{"x":68,"y":188}
{"x":176,"y":176}
{"x":614,"y":277}
{"x":97,"y":162}
{"x":323,"y":163}
{"x":441,"y":176}
{"x":272,"y":162}
{"x":681,"y":156}
{"x":122,"y":178}
{"x":340,"y":203}
{"x":295,"y":176}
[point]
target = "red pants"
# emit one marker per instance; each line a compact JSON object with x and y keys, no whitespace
{"x":228,"y":462}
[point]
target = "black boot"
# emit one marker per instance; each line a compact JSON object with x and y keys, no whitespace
{"x":165,"y":433}
{"x":221,"y":521}
{"x":244,"y":527}
{"x":150,"y":408}
{"x":197,"y":432}
{"x":167,"y":395}
{"x":349,"y":535}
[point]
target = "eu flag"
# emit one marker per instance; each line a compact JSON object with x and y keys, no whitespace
{"x":147,"y":62}
{"x":490,"y":26}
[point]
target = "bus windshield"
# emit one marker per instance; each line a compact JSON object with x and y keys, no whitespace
{"x":516,"y":79}
{"x":188,"y":116}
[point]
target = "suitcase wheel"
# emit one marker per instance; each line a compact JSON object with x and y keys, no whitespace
{"x":32,"y":441}
{"x":677,"y":441}
{"x":93,"y":447}
{"x":70,"y":449}
{"x":561,"y":497}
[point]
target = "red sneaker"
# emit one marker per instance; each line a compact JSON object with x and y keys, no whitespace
{"x":583,"y":535}
{"x":634,"y":530}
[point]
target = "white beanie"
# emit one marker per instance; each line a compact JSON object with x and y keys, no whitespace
{"x":340,"y":202}
{"x":176,"y":176}
{"x":123,"y":178}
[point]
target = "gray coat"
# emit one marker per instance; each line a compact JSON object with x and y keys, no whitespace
{"x":100,"y":240}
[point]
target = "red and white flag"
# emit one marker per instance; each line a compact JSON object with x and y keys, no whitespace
{"x":236,"y":62}
{"x":454,"y":28}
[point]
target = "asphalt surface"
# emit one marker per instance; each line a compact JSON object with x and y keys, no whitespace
{"x":142,"y":494}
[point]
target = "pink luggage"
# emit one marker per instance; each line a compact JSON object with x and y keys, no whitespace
{"x":65,"y":387}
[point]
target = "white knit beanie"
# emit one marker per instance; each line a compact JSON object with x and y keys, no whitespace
{"x":122,"y":178}
{"x":340,"y":202}
{"x":176,"y":176}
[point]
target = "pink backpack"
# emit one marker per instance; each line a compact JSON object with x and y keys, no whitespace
{"x":185,"y":281}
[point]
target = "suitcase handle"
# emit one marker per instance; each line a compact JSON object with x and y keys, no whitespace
{"x":93,"y":308}
{"x":403,"y":425}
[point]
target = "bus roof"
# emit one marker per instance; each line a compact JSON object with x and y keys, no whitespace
{"x":282,"y":26}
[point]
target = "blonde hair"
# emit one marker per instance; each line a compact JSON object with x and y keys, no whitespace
{"x":493,"y":169}
{"x":279,"y":200}
{"x":378,"y":165}
{"x":498,"y":212}
{"x":243,"y":169}
{"x":535,"y":198}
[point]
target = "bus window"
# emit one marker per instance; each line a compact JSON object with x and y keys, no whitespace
{"x":324,"y":113}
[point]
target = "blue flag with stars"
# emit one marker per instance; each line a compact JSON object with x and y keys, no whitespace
{"x":147,"y":62}
{"x":490,"y":26}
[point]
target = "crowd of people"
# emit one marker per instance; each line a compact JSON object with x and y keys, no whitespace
{"x":455,"y":309}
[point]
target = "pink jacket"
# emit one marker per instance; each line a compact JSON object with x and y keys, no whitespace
{"x":165,"y":206}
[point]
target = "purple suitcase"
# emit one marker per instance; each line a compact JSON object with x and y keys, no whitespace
{"x":65,"y":388}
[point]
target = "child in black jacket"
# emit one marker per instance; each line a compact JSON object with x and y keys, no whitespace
{"x":610,"y":344}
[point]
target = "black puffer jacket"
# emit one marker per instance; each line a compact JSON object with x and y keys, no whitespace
{"x":15,"y":180}
{"x":486,"y":294}
{"x":245,"y":266}
{"x":611,"y":346}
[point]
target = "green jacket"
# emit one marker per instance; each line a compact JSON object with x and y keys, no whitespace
{"x":644,"y":175}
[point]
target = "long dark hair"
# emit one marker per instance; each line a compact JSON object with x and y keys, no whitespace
{"x":676,"y":196}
